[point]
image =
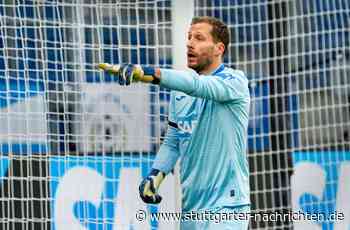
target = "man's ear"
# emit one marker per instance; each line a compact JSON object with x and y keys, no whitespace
{"x":220,"y":48}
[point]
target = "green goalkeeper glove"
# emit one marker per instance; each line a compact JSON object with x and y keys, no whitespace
{"x":148,"y":188}
{"x":129,"y":73}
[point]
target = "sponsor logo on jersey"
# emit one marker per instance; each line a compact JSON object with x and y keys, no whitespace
{"x":179,"y":98}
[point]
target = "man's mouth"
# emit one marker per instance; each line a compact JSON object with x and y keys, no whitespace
{"x":191,"y":55}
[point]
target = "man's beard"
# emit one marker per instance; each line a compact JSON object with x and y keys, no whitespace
{"x":201,"y":65}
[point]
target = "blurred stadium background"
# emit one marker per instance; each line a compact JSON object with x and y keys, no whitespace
{"x":74,"y":145}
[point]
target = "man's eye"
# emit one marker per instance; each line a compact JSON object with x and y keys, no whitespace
{"x":196,"y":37}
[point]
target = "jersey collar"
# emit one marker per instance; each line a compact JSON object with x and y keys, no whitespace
{"x":219,"y":69}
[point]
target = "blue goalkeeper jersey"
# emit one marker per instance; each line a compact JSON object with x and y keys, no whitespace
{"x":208,"y":117}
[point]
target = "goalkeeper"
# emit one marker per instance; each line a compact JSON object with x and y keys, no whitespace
{"x":208,"y":120}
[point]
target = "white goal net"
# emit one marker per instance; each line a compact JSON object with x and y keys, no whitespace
{"x":74,"y":145}
{"x":296,"y":54}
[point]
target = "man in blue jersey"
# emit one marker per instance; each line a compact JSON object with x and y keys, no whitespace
{"x":207,"y":132}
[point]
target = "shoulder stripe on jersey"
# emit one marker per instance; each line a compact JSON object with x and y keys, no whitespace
{"x":218,"y":70}
{"x":225,"y":76}
{"x":231,"y":75}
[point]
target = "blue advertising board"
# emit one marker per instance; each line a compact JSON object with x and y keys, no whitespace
{"x":87,"y":191}
{"x":320,"y":184}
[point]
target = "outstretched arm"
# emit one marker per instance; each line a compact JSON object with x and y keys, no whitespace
{"x":221,"y":87}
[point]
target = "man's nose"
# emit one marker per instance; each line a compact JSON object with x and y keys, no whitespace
{"x":189,"y":43}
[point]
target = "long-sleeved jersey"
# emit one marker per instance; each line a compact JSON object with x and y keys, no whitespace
{"x":208,"y":132}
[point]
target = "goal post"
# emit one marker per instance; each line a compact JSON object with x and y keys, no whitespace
{"x":182,"y":14}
